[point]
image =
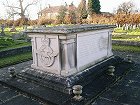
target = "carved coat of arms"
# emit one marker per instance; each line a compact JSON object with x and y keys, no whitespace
{"x":46,"y":53}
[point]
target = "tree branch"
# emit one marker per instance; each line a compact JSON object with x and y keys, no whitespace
{"x":18,"y":9}
{"x":34,"y":2}
{"x":14,"y":7}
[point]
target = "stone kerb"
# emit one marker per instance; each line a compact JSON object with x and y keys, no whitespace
{"x":15,"y":51}
{"x":130,"y":43}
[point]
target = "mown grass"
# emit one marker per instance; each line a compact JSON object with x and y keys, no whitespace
{"x":7,"y":61}
{"x":132,"y":39}
{"x":8,"y":33}
{"x":126,"y":48}
{"x":126,"y":35}
{"x":17,"y":28}
{"x":127,"y":32}
{"x":119,"y":30}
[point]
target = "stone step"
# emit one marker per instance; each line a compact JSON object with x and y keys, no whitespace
{"x":90,"y":91}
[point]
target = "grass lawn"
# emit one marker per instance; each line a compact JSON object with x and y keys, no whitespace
{"x":8,"y":33}
{"x":126,"y":35}
{"x":17,"y":28}
{"x":7,"y":61}
{"x":126,"y":48}
{"x":119,"y":30}
{"x":128,"y":32}
{"x":132,"y":39}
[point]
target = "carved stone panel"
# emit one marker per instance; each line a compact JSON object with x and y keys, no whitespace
{"x":47,"y":54}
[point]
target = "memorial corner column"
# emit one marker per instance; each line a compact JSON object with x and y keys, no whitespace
{"x":68,"y":56}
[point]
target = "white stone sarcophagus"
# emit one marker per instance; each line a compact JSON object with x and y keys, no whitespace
{"x":68,"y":50}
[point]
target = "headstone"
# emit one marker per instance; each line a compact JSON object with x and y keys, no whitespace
{"x":2,"y":30}
{"x":13,"y":29}
{"x":61,"y":53}
{"x":25,"y":27}
{"x":134,"y":27}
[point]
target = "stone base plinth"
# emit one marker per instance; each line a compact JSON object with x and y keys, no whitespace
{"x":93,"y":85}
{"x":64,"y":84}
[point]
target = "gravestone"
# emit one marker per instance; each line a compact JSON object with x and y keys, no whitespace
{"x":13,"y":29}
{"x":2,"y":30}
{"x":62,"y":54}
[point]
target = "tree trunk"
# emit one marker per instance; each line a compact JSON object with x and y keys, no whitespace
{"x":23,"y":18}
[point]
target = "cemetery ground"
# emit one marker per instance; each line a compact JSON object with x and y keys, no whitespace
{"x":124,"y":92}
{"x":126,"y":35}
{"x":11,"y":41}
{"x":14,"y":39}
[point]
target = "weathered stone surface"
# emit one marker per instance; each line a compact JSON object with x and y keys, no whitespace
{"x":126,"y":91}
{"x":65,"y":29}
{"x":7,"y":95}
{"x":13,"y":97}
{"x":3,"y":89}
{"x":22,"y":100}
{"x":105,"y":101}
{"x":123,"y":54}
{"x":0,"y":102}
{"x":64,"y":84}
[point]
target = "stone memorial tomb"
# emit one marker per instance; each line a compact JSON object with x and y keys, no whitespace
{"x":64,"y":55}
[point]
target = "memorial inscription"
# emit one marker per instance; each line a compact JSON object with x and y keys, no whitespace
{"x":91,"y":48}
{"x":103,"y":43}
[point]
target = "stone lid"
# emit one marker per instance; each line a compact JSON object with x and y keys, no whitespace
{"x":65,"y":29}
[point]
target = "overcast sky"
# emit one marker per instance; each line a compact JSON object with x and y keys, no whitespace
{"x":106,"y":5}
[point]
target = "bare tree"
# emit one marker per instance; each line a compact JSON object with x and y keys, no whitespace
{"x":126,"y":8}
{"x":125,"y":15}
{"x":20,"y":9}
